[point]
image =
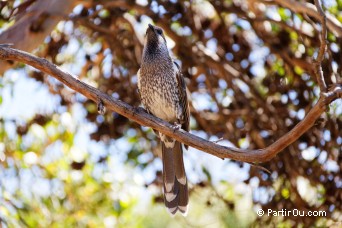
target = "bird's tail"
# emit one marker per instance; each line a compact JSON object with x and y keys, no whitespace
{"x":175,"y":183}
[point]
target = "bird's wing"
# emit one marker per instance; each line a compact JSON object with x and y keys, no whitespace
{"x":183,"y":98}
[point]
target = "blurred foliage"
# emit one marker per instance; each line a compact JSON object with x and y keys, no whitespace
{"x":249,"y":69}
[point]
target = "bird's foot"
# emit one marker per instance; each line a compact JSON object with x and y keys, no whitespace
{"x":100,"y":107}
{"x":137,"y":110}
{"x":176,"y":126}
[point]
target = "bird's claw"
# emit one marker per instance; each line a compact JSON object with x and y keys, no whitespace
{"x":100,"y":107}
{"x":176,"y":126}
{"x":137,"y":110}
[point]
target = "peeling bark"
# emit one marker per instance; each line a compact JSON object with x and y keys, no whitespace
{"x":31,"y":28}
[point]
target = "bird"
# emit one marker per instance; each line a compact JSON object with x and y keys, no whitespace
{"x":163,"y":94}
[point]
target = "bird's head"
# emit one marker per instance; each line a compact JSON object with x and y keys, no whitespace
{"x":155,"y":42}
{"x":155,"y":35}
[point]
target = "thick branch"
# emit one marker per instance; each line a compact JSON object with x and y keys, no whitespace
{"x":145,"y":119}
{"x":30,"y":29}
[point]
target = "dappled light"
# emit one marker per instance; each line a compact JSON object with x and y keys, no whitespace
{"x":253,"y":70}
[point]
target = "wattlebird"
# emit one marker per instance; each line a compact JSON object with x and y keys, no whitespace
{"x":163,"y":93}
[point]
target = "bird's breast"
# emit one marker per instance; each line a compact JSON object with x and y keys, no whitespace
{"x":159,"y":95}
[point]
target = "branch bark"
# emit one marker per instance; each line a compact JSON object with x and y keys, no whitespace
{"x":143,"y":118}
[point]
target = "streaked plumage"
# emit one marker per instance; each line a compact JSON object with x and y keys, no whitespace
{"x":163,"y":93}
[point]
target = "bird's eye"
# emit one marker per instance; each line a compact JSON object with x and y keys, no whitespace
{"x":159,"y":31}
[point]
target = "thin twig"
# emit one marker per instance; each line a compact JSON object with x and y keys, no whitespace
{"x":307,"y":8}
{"x":260,"y":167}
{"x":145,"y":119}
{"x":6,"y":45}
{"x":320,"y":55}
{"x":219,"y":140}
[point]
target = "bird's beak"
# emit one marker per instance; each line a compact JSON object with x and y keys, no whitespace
{"x":151,"y":27}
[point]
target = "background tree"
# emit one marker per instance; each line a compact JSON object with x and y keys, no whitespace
{"x":251,"y":71}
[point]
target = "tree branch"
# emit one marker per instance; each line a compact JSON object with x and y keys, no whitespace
{"x":143,"y":118}
{"x":307,"y":8}
{"x":320,"y":55}
{"x":31,"y":28}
